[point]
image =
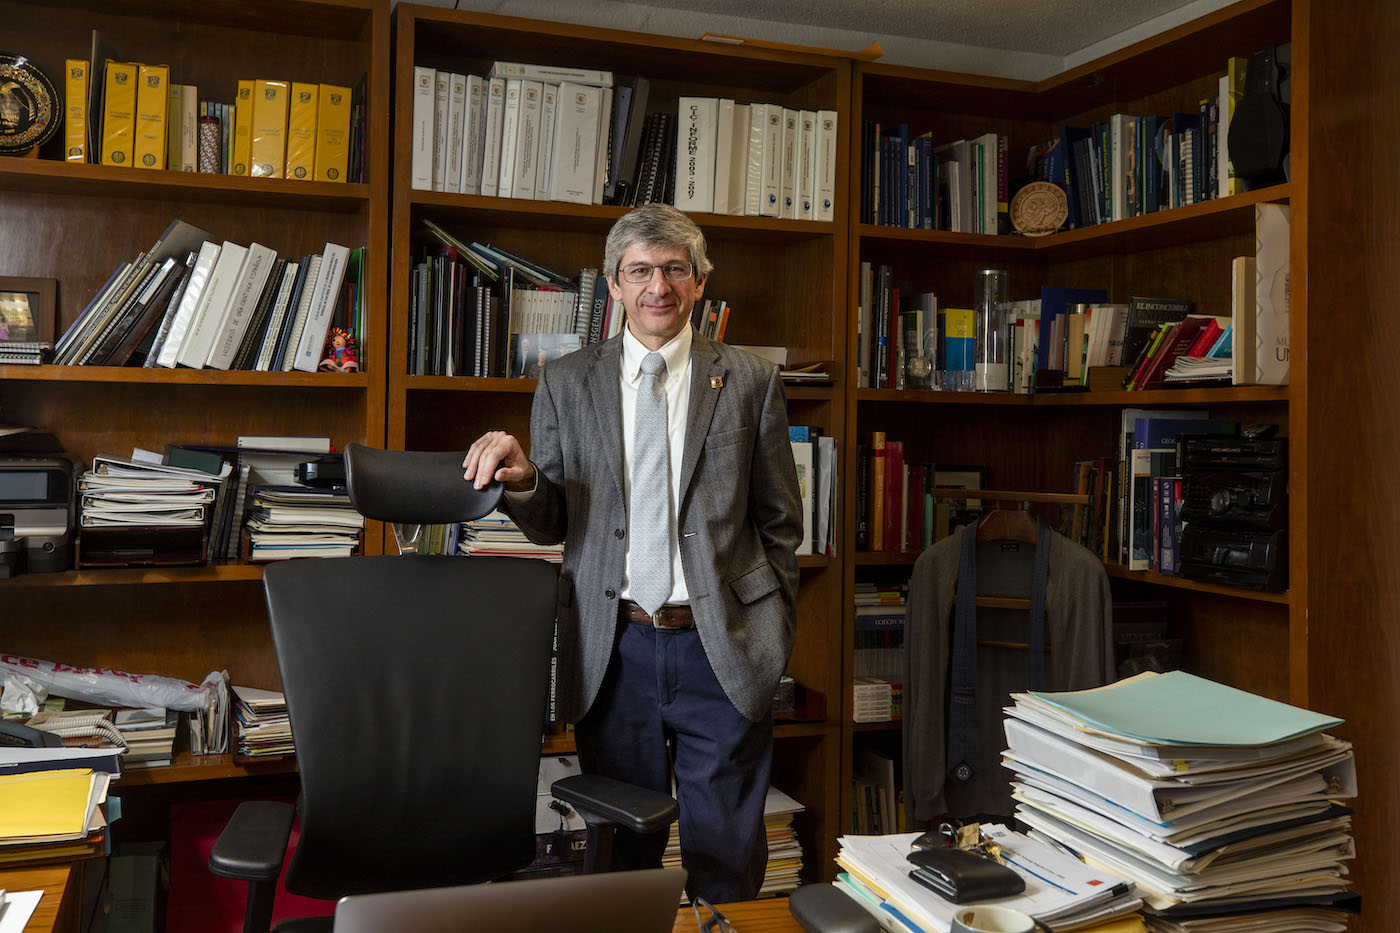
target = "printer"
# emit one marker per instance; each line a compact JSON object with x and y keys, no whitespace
{"x":36,"y":515}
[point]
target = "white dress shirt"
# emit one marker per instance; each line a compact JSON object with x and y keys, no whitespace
{"x":677,"y":356}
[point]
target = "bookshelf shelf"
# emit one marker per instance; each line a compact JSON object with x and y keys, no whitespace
{"x":130,"y":576}
{"x":1208,"y":219}
{"x":1181,"y":583}
{"x":885,"y":558}
{"x":202,"y":377}
{"x":597,"y":218}
{"x":892,"y":726}
{"x":1221,"y":395}
{"x":930,"y":397}
{"x":108,"y":181}
{"x":469,"y":384}
{"x":185,"y":768}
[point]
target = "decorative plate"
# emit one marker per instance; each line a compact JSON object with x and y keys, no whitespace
{"x":1039,"y":208}
{"x":29,"y":105}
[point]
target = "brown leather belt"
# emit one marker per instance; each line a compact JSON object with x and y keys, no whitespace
{"x":672,"y":617}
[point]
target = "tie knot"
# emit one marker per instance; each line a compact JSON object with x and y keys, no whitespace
{"x":654,"y":364}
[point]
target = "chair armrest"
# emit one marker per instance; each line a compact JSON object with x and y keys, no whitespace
{"x":601,"y":799}
{"x":252,"y":845}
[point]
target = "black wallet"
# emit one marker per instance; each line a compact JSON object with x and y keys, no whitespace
{"x":961,"y":876}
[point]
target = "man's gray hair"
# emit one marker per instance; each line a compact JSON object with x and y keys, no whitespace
{"x":655,"y":225}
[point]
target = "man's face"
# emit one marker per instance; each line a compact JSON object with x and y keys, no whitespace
{"x":658,"y":309}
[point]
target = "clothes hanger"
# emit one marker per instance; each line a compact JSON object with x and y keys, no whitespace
{"x":1008,"y":525}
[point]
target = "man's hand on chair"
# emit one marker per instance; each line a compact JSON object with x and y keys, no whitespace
{"x":497,"y":455}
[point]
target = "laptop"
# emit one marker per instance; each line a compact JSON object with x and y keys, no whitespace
{"x":615,"y":902}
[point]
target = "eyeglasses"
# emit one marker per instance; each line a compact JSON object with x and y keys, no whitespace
{"x":639,"y":273}
{"x":711,"y":921}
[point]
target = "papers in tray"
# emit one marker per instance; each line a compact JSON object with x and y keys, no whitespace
{"x":1060,"y":890}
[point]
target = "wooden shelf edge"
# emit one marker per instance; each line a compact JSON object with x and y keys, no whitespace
{"x":469,"y":384}
{"x":131,"y":576}
{"x":186,"y":768}
{"x":1157,"y":579}
{"x":892,"y":726}
{"x":79,"y":178}
{"x":1213,"y":395}
{"x":160,"y":376}
{"x":885,"y":558}
{"x":1106,"y":231}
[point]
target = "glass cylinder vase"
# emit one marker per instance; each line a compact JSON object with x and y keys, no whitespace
{"x":993,"y":352}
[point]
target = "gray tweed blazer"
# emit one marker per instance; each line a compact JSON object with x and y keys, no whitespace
{"x":739,"y":521}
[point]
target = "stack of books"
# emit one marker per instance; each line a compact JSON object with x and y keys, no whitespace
{"x":784,"y":850}
{"x":149,"y":735}
{"x":302,"y":521}
{"x":496,"y":535}
{"x":52,"y":803}
{"x":264,"y":730}
{"x":879,"y":652}
{"x":1220,"y":805}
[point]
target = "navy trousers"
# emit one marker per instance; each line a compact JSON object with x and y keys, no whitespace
{"x":660,"y":707}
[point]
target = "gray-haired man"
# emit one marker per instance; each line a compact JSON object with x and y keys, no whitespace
{"x":662,"y":459}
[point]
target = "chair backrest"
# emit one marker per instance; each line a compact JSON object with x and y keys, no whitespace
{"x":416,"y":688}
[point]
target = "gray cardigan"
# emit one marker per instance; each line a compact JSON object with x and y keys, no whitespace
{"x":1079,"y":628}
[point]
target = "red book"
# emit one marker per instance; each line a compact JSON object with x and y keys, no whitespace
{"x":894,"y":495}
{"x":914,"y":509}
{"x":896,"y":338}
{"x":876,"y":509}
{"x":1209,"y":334}
{"x":1176,"y":344}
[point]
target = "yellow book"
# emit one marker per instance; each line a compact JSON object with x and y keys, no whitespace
{"x":332,"y":133}
{"x":152,"y":107}
{"x":301,"y":132}
{"x":176,"y":94}
{"x":268,"y":149}
{"x":242,"y":129}
{"x":75,"y":94}
{"x":119,"y":113}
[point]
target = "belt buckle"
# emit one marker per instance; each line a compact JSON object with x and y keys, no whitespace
{"x":656,"y":619}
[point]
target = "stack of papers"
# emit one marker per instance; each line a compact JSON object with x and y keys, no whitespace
{"x":52,"y":814}
{"x":302,"y":521}
{"x":1220,"y":805}
{"x":149,"y":735}
{"x":264,"y":731}
{"x":122,"y":493}
{"x":495,"y":535}
{"x":784,"y":851}
{"x":1061,"y":892}
{"x":1200,"y":369}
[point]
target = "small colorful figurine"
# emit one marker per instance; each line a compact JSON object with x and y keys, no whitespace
{"x":340,"y":352}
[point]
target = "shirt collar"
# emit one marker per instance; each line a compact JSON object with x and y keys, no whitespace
{"x":675,"y":353}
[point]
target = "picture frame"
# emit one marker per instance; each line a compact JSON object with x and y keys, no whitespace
{"x":961,"y":477}
{"x":28,"y":309}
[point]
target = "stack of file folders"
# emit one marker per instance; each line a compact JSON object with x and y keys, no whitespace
{"x":302,"y":521}
{"x":52,"y":803}
{"x":149,"y":734}
{"x":1061,"y":892}
{"x":1221,"y":805}
{"x":118,"y":493}
{"x":264,"y":731}
{"x":495,"y":535}
{"x":784,"y":850}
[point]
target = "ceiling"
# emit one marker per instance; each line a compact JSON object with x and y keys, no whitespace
{"x":1050,"y":27}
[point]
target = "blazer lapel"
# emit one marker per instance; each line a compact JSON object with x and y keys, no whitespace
{"x":603,"y":386}
{"x":705,"y":368}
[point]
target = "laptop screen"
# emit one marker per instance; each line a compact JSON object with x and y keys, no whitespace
{"x":616,"y":902}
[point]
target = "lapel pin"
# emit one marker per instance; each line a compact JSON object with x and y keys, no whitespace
{"x":717,"y":382}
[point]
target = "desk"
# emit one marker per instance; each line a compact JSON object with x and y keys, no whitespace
{"x":770,"y":915}
{"x":58,"y":909}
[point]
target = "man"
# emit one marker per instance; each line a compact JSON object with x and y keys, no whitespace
{"x":662,"y":459}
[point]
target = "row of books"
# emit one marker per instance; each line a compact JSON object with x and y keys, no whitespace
{"x":895,"y":506}
{"x":960,"y":186}
{"x":191,"y":301}
{"x":546,"y":132}
{"x":877,"y":800}
{"x":878,"y":664}
{"x":131,"y":114}
{"x":814,"y":454}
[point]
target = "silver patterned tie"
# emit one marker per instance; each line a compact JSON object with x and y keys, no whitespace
{"x":649,"y":558}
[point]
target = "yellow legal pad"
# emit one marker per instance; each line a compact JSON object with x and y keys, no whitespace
{"x":46,"y":803}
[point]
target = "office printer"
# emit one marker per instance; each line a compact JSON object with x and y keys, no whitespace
{"x":36,"y":515}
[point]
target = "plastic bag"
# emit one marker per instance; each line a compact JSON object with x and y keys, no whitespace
{"x":107,"y":687}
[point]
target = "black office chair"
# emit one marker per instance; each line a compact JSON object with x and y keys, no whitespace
{"x":416,"y":688}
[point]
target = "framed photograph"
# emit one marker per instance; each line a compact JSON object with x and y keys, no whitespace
{"x":28,"y":309}
{"x":530,"y":352}
{"x":960,"y":477}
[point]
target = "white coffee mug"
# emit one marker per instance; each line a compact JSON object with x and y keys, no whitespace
{"x":989,"y":919}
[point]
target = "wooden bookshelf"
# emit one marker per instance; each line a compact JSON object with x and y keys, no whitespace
{"x":1258,"y":641}
{"x":785,"y":280}
{"x":77,"y":222}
